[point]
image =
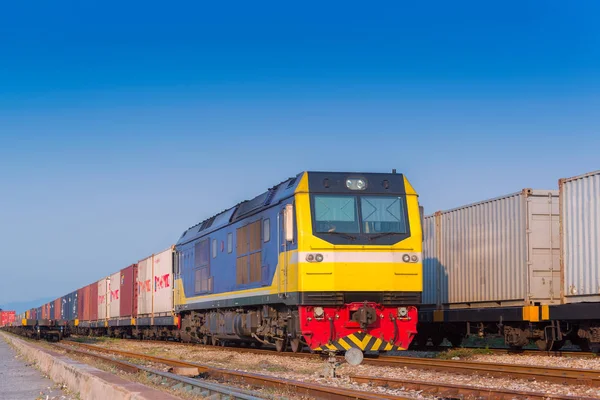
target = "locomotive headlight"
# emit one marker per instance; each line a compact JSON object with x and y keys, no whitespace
{"x":319,"y":312}
{"x":406,"y":258}
{"x":402,"y":311}
{"x":356,"y":184}
{"x":319,"y":257}
{"x":310,"y":257}
{"x":414,"y":258}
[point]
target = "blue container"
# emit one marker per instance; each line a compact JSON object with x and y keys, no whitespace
{"x":69,"y":307}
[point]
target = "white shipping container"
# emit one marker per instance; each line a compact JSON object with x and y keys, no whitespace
{"x":502,"y":251}
{"x":103,"y":299}
{"x":144,"y":286}
{"x":163,"y":282}
{"x":580,"y":237}
{"x":114,"y":287}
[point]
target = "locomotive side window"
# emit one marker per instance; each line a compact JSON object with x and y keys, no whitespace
{"x":229,"y":242}
{"x":266,"y":230}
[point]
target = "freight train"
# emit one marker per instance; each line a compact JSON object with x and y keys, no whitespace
{"x":525,"y":266}
{"x":328,"y":260}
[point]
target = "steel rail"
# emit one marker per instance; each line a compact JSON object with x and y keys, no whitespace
{"x":449,"y":391}
{"x":529,"y":352}
{"x":173,"y":381}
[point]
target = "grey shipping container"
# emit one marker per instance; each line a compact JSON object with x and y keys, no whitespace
{"x":502,"y":251}
{"x":580,"y":237}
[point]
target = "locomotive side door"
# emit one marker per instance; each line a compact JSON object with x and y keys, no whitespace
{"x":285,"y":236}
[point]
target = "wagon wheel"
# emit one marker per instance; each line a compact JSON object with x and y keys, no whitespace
{"x":280,"y":345}
{"x":296,"y":345}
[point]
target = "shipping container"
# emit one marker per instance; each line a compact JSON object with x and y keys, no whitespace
{"x":69,"y":307}
{"x":114,"y":290}
{"x":57,"y":308}
{"x":84,"y":304}
{"x":52,"y":315}
{"x":580,"y":237}
{"x":38,"y":313}
{"x":103,"y":299}
{"x":163,"y":282}
{"x":93,"y":308}
{"x":7,"y":318}
{"x":144,"y":286}
{"x":502,"y":251}
{"x":155,"y":284}
{"x":128,"y":292}
{"x":80,"y":303}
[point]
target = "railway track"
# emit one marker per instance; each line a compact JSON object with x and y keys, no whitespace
{"x":434,"y":389}
{"x":566,"y":376}
{"x":297,"y":387}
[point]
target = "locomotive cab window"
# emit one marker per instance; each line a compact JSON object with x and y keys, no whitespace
{"x":383,"y":214}
{"x":366,"y":219}
{"x":336,"y":214}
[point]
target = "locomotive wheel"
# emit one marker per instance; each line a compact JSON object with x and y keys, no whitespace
{"x":296,"y":345}
{"x":280,"y":345}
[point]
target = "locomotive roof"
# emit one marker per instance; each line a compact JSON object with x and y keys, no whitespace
{"x":272,"y":196}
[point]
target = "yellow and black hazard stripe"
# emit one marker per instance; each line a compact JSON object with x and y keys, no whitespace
{"x":359,"y":340}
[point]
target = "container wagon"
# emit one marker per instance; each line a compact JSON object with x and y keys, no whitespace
{"x":524,"y":266}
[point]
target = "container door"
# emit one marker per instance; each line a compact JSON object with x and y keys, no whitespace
{"x":543,"y":247}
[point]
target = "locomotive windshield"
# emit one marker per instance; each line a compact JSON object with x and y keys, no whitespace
{"x":364,"y":215}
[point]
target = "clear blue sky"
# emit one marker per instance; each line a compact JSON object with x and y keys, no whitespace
{"x":124,"y":123}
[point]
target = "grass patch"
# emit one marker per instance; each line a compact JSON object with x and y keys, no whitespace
{"x":463,"y":353}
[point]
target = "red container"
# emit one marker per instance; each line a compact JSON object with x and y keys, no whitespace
{"x":128,"y":291}
{"x":45,"y":311}
{"x":81,"y":304}
{"x":57,"y":308}
{"x":7,"y":317}
{"x":93,"y":308}
{"x":85,"y":316}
